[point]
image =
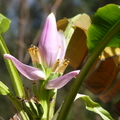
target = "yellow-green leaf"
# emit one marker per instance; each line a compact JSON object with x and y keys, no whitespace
{"x":4,"y":24}
{"x":94,"y":107}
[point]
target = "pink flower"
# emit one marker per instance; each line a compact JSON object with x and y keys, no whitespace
{"x":61,"y":81}
{"x":50,"y":54}
{"x":29,"y":72}
{"x":49,"y":43}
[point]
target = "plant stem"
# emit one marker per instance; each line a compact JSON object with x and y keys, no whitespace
{"x":47,"y":100}
{"x":16,"y":81}
{"x":81,"y":77}
{"x":44,"y":99}
{"x":51,"y":103}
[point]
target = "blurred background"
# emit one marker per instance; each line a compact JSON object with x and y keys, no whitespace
{"x":27,"y":18}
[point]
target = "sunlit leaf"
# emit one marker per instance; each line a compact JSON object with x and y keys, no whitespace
{"x":4,"y":24}
{"x":102,"y":81}
{"x":109,"y":52}
{"x":103,"y":22}
{"x":94,"y":107}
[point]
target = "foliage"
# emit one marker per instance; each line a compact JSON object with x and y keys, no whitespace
{"x":95,"y":107}
{"x":105,"y":19}
{"x":17,"y":88}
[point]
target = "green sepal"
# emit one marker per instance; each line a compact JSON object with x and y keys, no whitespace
{"x":39,"y":65}
{"x":35,"y":89}
{"x":53,"y":75}
{"x":48,"y":72}
{"x":4,"y":24}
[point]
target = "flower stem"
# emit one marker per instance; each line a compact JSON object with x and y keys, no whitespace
{"x":43,"y":99}
{"x":16,"y":81}
{"x":81,"y":77}
{"x":51,"y":103}
{"x":47,"y":100}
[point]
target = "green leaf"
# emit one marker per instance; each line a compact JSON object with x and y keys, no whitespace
{"x":94,"y":107}
{"x":4,"y":24}
{"x":91,"y":106}
{"x":4,"y":90}
{"x":104,"y":20}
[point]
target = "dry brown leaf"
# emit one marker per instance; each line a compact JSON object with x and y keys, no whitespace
{"x":77,"y":52}
{"x":102,"y":78}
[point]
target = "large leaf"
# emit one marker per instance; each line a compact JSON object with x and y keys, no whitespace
{"x":4,"y":24}
{"x":103,"y":22}
{"x":94,"y":107}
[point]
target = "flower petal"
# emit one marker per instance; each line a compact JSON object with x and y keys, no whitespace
{"x":62,"y":45}
{"x":49,"y":44}
{"x":61,"y":81}
{"x":29,"y":72}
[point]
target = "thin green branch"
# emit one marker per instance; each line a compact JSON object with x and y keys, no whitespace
{"x":16,"y":81}
{"x":81,"y":77}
